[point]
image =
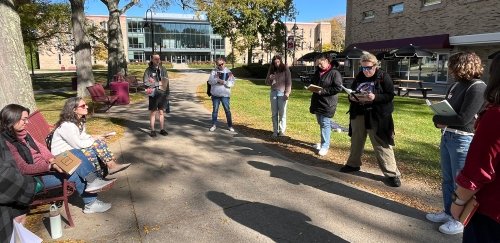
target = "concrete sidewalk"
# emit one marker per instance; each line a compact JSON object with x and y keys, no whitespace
{"x":198,"y":186}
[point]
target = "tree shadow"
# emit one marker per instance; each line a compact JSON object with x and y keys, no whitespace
{"x":279,"y":224}
{"x":296,"y":178}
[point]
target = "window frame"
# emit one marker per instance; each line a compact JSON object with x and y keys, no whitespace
{"x":425,"y":3}
{"x":392,"y":7}
{"x":366,"y":16}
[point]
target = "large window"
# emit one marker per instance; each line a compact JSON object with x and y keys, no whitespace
{"x":369,"y":14}
{"x":135,"y":26}
{"x":396,"y":8}
{"x":180,"y":36}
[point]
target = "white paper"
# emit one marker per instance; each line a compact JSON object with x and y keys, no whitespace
{"x":22,"y":235}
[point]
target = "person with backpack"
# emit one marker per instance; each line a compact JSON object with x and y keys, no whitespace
{"x":221,"y":80}
{"x":466,"y":98}
{"x":370,"y":114}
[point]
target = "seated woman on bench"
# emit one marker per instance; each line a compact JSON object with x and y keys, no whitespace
{"x":70,"y":133}
{"x":33,"y":157}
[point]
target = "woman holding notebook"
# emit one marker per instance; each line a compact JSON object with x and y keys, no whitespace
{"x":70,"y":133}
{"x":33,"y":157}
{"x":466,"y":98}
{"x":324,"y":100}
{"x":479,"y":175}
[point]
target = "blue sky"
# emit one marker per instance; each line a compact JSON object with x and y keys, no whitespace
{"x":309,"y":10}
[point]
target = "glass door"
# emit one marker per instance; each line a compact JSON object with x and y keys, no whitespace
{"x":442,"y":68}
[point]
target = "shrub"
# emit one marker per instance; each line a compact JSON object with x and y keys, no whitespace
{"x":98,"y":66}
{"x":257,"y":70}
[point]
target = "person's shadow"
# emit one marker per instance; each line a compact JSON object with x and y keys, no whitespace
{"x":279,"y":224}
{"x":296,"y":177}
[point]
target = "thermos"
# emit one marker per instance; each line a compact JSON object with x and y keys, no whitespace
{"x":55,"y":222}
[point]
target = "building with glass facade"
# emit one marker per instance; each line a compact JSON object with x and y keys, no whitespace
{"x":178,"y":38}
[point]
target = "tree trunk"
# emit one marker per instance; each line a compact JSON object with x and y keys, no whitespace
{"x":250,"y":55}
{"x":15,"y":82}
{"x":117,"y":61}
{"x":82,"y":49}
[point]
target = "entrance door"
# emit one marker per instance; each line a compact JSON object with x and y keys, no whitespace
{"x":442,"y":68}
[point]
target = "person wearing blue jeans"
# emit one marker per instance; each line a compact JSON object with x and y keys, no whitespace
{"x":324,"y":101}
{"x":216,"y":101}
{"x":221,"y":80}
{"x":279,"y":79}
{"x":32,"y":157}
{"x":466,"y":97}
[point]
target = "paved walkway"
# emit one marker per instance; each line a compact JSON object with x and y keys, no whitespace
{"x":197,"y":186}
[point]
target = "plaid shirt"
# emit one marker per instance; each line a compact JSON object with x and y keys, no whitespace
{"x":16,"y":191}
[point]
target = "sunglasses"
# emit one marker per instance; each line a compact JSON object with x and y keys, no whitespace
{"x":367,"y":68}
{"x":220,"y":64}
{"x":82,"y":106}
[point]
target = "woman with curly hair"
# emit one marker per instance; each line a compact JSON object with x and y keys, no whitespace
{"x":70,"y":133}
{"x":466,"y":98}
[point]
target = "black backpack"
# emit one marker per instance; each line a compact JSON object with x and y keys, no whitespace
{"x":209,"y":87}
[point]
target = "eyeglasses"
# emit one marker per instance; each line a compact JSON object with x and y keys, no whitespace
{"x":83,"y":106}
{"x":367,"y":68}
{"x":220,"y":64}
{"x":25,"y":120}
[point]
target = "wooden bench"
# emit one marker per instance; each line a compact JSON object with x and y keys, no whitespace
{"x":98,"y":95}
{"x":39,"y":129}
{"x":404,"y":85}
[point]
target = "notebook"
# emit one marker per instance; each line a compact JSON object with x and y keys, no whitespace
{"x":442,"y":108}
{"x":67,"y":161}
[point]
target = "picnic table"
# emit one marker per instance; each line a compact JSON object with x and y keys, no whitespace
{"x":407,"y":85}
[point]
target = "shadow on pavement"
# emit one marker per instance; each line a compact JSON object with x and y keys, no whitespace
{"x":296,"y":177}
{"x":279,"y":224}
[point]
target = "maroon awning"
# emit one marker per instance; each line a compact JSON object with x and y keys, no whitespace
{"x":426,"y":42}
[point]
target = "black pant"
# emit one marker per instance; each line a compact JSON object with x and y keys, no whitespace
{"x":481,"y":229}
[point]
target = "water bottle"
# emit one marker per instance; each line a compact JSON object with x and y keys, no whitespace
{"x":55,"y":222}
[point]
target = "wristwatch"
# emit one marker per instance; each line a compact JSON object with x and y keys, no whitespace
{"x":456,"y":200}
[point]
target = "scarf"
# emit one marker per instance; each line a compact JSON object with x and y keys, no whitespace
{"x":322,"y":72}
{"x":21,"y":141}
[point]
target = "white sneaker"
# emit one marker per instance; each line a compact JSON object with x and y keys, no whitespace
{"x":96,"y":207}
{"x":451,"y":227}
{"x":212,"y":128}
{"x":440,"y":217}
{"x":317,"y":146}
{"x":231,"y":129}
{"x":323,"y":152}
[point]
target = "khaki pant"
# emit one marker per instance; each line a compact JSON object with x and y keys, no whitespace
{"x":383,"y":151}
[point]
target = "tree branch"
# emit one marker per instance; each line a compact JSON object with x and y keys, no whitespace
{"x":127,"y":7}
{"x":105,"y":2}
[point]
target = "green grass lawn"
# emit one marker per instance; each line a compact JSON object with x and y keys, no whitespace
{"x":417,"y":140}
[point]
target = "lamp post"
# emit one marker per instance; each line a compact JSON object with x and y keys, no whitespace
{"x":151,"y":27}
{"x":294,"y":29}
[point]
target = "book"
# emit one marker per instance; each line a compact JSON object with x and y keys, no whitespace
{"x":442,"y":108}
{"x":67,"y":161}
{"x":313,"y":88}
{"x":224,"y":76}
{"x":350,"y":92}
{"x":469,"y":210}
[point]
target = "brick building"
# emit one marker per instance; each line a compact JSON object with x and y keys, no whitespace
{"x":441,"y":26}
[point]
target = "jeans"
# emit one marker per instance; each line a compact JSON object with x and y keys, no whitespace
{"x":453,"y":148}
{"x":225,"y":104}
{"x":78,"y":177}
{"x":278,"y":111}
{"x":326,"y":129}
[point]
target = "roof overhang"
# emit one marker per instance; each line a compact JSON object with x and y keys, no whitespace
{"x":427,"y":42}
{"x":486,"y":38}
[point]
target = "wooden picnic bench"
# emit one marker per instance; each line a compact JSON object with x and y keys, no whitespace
{"x":405,"y":85}
{"x":98,"y":95}
{"x":39,"y":129}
